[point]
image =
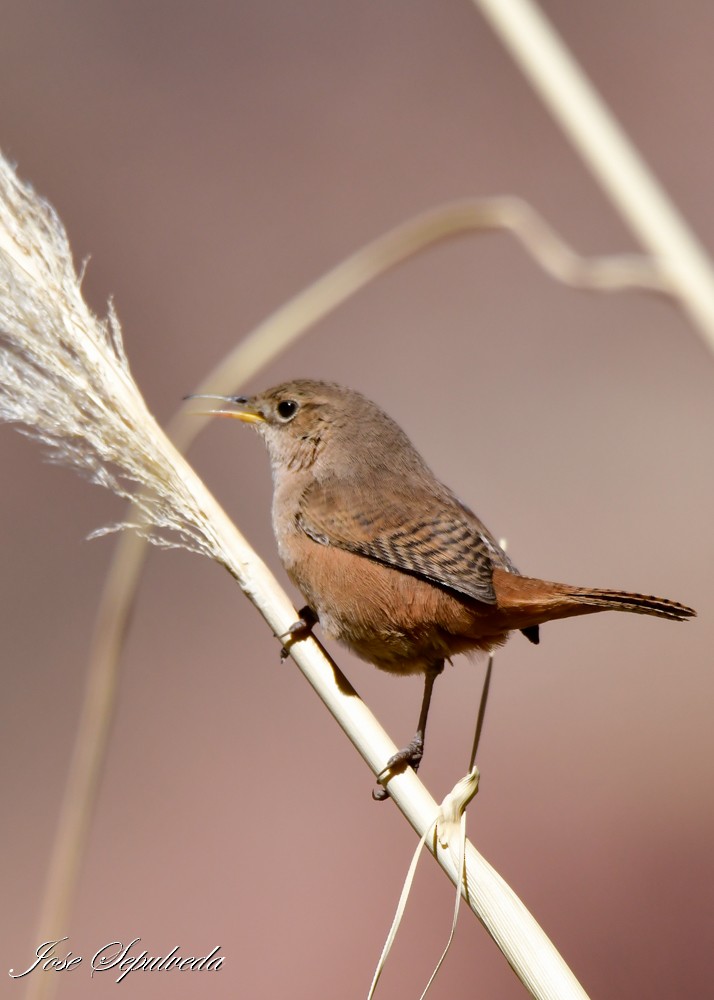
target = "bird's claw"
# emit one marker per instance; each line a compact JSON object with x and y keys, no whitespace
{"x":300,"y":629}
{"x":409,"y":756}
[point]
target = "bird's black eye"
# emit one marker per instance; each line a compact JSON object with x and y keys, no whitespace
{"x":287,"y":408}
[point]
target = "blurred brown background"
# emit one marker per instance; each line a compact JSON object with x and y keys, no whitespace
{"x":213,"y":159}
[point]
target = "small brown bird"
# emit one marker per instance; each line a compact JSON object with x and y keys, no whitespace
{"x":389,"y":560}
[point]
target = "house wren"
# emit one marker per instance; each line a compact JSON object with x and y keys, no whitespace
{"x":389,"y":560}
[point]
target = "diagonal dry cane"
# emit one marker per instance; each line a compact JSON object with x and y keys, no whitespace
{"x":272,"y":336}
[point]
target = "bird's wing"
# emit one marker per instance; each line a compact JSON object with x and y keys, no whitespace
{"x":431,"y":535}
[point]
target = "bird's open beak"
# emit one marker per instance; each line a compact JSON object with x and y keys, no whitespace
{"x":244,"y":410}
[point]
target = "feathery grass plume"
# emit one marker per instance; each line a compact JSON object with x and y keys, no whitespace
{"x":65,"y":379}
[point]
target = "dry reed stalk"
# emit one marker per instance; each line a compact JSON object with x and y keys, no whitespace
{"x":64,"y":378}
{"x":269,"y":338}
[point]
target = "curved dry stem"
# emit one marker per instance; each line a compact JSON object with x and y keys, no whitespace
{"x":406,"y":240}
{"x":609,"y":154}
{"x":275,"y":334}
{"x":261,"y":346}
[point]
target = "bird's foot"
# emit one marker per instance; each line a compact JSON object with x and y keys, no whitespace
{"x":300,"y":629}
{"x":410,"y":756}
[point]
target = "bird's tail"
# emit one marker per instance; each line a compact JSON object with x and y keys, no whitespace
{"x":539,"y":601}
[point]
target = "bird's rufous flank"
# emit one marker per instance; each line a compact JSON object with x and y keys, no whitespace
{"x":388,"y":559}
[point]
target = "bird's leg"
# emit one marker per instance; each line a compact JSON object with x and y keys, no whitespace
{"x":299,"y":629}
{"x":412,"y":754}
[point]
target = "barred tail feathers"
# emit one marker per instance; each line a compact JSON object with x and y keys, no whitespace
{"x":540,"y":600}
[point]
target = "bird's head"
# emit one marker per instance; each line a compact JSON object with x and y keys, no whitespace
{"x":322,"y":426}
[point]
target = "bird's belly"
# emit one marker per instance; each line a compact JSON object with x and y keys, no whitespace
{"x":395,"y":620}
